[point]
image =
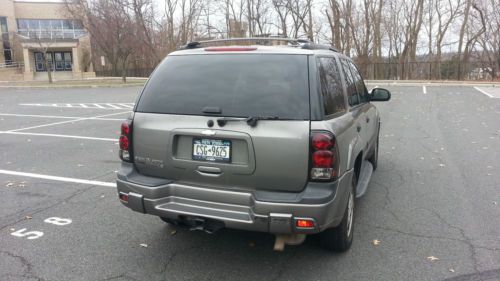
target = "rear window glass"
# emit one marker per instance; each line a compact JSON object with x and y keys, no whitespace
{"x":239,"y":85}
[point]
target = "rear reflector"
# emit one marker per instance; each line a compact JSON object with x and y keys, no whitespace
{"x":304,"y":223}
{"x":230,"y":49}
{"x":123,"y":197}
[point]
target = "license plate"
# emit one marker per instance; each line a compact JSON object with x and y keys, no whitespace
{"x":212,"y":150}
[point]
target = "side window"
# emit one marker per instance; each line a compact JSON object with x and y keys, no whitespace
{"x":331,"y":85}
{"x":360,"y":85}
{"x":352,"y":95}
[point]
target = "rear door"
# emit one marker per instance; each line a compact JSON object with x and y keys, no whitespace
{"x":190,"y":122}
{"x":369,"y":122}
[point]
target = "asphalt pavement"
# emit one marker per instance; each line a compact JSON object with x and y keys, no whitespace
{"x":431,"y":212}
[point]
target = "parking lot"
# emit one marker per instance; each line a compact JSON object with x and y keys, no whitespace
{"x":432,"y":210}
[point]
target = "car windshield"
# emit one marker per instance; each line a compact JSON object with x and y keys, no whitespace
{"x":238,"y":85}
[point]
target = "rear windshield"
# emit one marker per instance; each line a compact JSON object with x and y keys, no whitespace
{"x":239,"y":85}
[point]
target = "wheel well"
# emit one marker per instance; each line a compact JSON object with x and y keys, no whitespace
{"x":357,"y":164}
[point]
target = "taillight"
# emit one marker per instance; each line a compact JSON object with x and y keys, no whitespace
{"x":125,"y":141}
{"x":324,"y":157}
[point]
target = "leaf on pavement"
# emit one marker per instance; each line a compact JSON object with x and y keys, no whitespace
{"x":173,"y":232}
{"x":432,"y":258}
{"x":28,"y":217}
{"x":451,"y":270}
{"x":376,"y":242}
{"x":143,"y":245}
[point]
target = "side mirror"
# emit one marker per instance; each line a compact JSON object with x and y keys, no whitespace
{"x":380,"y":94}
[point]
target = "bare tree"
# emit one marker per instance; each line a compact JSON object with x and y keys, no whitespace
{"x":112,"y":26}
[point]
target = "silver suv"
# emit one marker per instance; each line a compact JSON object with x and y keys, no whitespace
{"x":277,"y":139}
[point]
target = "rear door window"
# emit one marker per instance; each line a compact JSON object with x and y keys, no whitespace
{"x":240,"y":85}
{"x":352,"y":94}
{"x":331,"y":85}
{"x":360,"y":85}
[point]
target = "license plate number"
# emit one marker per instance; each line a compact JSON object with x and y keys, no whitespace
{"x":212,"y":150}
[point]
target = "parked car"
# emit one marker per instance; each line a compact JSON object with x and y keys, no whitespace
{"x":278,"y":139}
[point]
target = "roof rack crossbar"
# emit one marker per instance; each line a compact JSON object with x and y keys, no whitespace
{"x":312,"y":46}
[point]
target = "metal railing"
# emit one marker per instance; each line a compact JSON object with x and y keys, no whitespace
{"x":12,"y":65}
{"x":52,"y":33}
{"x":434,"y":70}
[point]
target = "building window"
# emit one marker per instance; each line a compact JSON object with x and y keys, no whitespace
{"x":50,"y":28}
{"x":7,"y":52}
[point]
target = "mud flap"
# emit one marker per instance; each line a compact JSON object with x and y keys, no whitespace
{"x":364,"y":178}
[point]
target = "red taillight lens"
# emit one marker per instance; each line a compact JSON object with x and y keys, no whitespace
{"x":304,"y":223}
{"x":125,"y":141}
{"x":324,"y":157}
{"x":322,"y":141}
{"x":125,"y":128}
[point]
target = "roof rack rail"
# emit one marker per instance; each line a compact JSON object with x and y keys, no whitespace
{"x":299,"y":43}
{"x":261,"y":40}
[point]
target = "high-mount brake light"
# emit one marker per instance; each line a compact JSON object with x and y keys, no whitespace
{"x":230,"y":49}
{"x":324,"y":157}
{"x":125,"y":141}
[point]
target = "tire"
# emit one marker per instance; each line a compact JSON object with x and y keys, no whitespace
{"x":339,"y":239}
{"x":169,"y":221}
{"x":374,"y":158}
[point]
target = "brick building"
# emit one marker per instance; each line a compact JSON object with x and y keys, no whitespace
{"x":31,"y":28}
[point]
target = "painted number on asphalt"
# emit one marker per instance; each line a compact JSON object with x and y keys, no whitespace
{"x":58,"y":221}
{"x":29,"y":234}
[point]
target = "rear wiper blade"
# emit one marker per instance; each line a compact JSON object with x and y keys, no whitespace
{"x":251,"y":121}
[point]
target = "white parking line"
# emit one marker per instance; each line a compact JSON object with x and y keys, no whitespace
{"x":486,"y":93}
{"x":55,"y":178}
{"x":69,"y":121}
{"x":113,"y":106}
{"x":57,"y":117}
{"x":126,"y":105}
{"x":58,"y":136}
{"x":424,"y":89}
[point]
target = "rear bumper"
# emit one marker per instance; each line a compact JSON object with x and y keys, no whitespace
{"x":264,"y":211}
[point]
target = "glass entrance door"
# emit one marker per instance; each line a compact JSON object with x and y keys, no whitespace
{"x":39,"y":63}
{"x":58,"y":61}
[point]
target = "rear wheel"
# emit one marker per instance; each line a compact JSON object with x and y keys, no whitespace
{"x":169,"y":221}
{"x":339,"y":238}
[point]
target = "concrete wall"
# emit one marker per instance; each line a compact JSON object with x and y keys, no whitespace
{"x":39,"y":10}
{"x":11,"y":74}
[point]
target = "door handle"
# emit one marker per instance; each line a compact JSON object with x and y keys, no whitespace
{"x":209,"y":171}
{"x":358,"y":128}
